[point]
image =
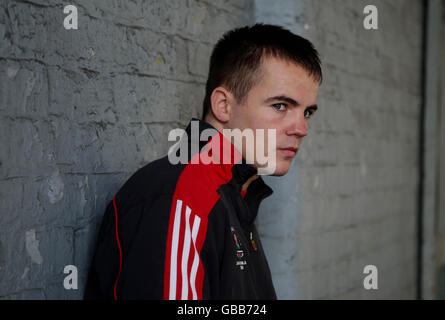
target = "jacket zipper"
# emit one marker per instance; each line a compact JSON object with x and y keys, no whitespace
{"x":252,"y":242}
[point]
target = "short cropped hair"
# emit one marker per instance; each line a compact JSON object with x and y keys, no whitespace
{"x":236,"y":58}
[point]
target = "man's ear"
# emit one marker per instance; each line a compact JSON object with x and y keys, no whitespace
{"x":220,"y":101}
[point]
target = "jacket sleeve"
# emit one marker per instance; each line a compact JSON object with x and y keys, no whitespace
{"x":118,"y":224}
{"x":159,"y":250}
{"x":142,"y":275}
{"x":193,"y":252}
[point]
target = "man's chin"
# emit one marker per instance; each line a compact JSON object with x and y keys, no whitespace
{"x":278,"y":171}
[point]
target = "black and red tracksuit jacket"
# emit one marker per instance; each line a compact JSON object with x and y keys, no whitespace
{"x":183,"y":231}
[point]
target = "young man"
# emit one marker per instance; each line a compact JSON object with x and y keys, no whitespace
{"x":186,"y":230}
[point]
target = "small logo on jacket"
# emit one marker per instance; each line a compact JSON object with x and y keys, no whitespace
{"x":239,"y":251}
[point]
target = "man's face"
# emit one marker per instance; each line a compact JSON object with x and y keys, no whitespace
{"x":283,"y":99}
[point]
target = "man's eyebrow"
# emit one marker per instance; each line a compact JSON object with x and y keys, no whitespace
{"x":289,"y":100}
{"x":314,"y":107}
{"x":283,"y":98}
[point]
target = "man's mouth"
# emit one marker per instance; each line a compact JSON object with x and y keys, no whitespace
{"x":288,"y":152}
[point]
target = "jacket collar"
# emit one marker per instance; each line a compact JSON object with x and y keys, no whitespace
{"x":240,"y":171}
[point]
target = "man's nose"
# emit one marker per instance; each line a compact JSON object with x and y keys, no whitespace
{"x":298,"y":125}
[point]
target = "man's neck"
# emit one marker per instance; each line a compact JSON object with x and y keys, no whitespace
{"x":218,"y":126}
{"x":214,"y":123}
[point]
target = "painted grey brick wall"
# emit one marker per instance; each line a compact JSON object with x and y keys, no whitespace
{"x":80,"y":111}
{"x":351,"y":195}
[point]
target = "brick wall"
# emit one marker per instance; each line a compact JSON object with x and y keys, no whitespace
{"x":352,"y":193}
{"x":80,"y":111}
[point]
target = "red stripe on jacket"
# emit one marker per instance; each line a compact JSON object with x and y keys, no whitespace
{"x":118,"y":246}
{"x":194,"y":197}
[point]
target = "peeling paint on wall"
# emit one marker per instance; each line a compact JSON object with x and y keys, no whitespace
{"x":25,"y":272}
{"x":55,"y":188}
{"x":12,"y":71}
{"x":32,"y":247}
{"x":79,"y":112}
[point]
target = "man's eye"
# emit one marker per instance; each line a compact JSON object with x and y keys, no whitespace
{"x":308,"y":113}
{"x":279,"y":106}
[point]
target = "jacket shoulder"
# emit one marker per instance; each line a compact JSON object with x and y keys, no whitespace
{"x":155,"y":178}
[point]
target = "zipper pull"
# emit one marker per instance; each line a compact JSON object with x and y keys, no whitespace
{"x":253,"y":242}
